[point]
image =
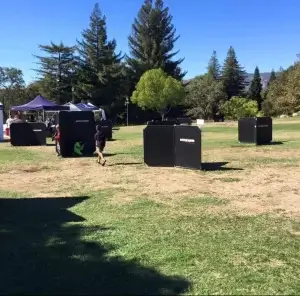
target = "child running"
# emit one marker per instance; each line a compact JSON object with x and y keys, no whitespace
{"x":100,"y":139}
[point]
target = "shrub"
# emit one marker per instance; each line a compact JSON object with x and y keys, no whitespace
{"x":239,"y":107}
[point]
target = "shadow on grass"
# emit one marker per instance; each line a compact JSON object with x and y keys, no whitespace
{"x":125,"y":163}
{"x":274,"y":143}
{"x":50,"y":144}
{"x":247,"y":145}
{"x":92,"y":156}
{"x":43,"y":252}
{"x":217,"y":166}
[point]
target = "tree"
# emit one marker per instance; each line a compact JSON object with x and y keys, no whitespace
{"x":57,"y":71}
{"x":101,"y":70}
{"x":152,"y":41}
{"x":283,"y":97}
{"x":205,"y":96}
{"x":272,"y":77}
{"x":256,"y":88}
{"x":233,"y":75}
{"x":33,"y":89}
{"x":11,"y":87}
{"x":239,"y":107}
{"x":214,"y":68}
{"x":158,"y":91}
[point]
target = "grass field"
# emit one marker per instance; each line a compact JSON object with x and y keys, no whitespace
{"x":69,"y":226}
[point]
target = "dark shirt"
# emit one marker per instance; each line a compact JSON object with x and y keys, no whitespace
{"x":100,"y":138}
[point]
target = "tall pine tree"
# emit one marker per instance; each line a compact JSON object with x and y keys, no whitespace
{"x":256,"y":88}
{"x":233,"y":75}
{"x":152,"y":41}
{"x":57,"y":71}
{"x":101,"y":67}
{"x":214,"y":68}
{"x":272,"y":77}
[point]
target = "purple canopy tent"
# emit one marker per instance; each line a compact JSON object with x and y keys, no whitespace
{"x":86,"y":107}
{"x":38,"y":104}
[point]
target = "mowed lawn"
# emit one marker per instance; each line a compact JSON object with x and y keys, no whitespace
{"x":70,"y":226}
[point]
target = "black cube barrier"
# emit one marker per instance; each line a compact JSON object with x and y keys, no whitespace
{"x":159,"y":145}
{"x":257,"y":130}
{"x":77,"y":130}
{"x":184,"y":120}
{"x":187,"y":146}
{"x":28,"y":134}
{"x":107,"y":127}
{"x":162,"y":122}
{"x":169,"y":146}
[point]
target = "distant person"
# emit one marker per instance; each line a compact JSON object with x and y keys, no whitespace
{"x":100,"y":139}
{"x":17,"y":118}
{"x":9,"y":121}
{"x":56,"y":137}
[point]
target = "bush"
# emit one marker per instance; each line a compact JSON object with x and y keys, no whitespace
{"x":239,"y":107}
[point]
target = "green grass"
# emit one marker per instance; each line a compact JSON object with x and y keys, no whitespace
{"x":138,"y":248}
{"x":92,"y":244}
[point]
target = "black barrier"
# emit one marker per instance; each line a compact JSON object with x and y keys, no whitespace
{"x":258,"y":130}
{"x":187,"y":146}
{"x":184,"y":120}
{"x":27,"y":134}
{"x":106,"y":126}
{"x":77,"y":130}
{"x":160,"y":122}
{"x":172,"y":146}
{"x":159,"y":145}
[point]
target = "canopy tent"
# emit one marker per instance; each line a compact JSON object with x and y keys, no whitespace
{"x":40,"y":103}
{"x":72,"y":107}
{"x":86,"y":107}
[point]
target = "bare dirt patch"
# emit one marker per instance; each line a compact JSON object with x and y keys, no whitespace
{"x":259,"y":189}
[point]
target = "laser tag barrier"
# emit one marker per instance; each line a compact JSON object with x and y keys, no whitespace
{"x":77,"y":130}
{"x":258,"y":130}
{"x":172,"y":146}
{"x":28,"y":134}
{"x":1,"y":122}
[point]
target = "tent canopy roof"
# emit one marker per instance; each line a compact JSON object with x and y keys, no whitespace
{"x":40,"y":103}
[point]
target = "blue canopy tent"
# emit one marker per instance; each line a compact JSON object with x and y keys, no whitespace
{"x":86,"y":107}
{"x":40,"y":104}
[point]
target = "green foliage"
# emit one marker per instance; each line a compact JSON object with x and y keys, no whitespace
{"x":256,"y":88}
{"x":152,"y":41}
{"x":233,"y":75}
{"x":239,"y":107}
{"x":283,"y":97}
{"x":100,"y":68}
{"x":272,"y":77}
{"x":158,"y":91}
{"x":12,"y":87}
{"x":204,"y":96}
{"x":214,"y":68}
{"x":57,"y":71}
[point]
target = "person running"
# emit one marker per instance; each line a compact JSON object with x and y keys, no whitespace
{"x":100,"y":139}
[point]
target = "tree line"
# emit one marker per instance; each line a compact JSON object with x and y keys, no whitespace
{"x":93,"y":70}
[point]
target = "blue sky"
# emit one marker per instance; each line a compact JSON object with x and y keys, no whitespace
{"x":263,"y":32}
